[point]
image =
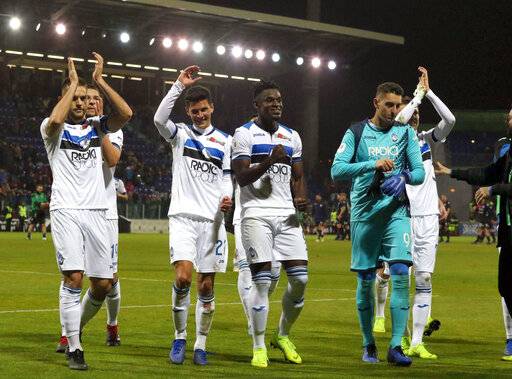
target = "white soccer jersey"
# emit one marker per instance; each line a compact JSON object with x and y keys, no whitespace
{"x":423,"y":198}
{"x":271,"y":194}
{"x":108,"y":176}
{"x":75,"y":159}
{"x":238,"y":206}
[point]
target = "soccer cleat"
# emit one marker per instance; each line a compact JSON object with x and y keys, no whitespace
{"x":177,"y":353}
{"x":379,"y":326}
{"x":397,"y":357}
{"x":287,"y":347}
{"x":420,"y":351}
{"x":432,"y":326}
{"x":259,"y":357}
{"x":76,"y":360}
{"x":113,"y":338}
{"x":63,"y":344}
{"x":200,"y":357}
{"x":370,"y":354}
{"x":44,"y":239}
{"x":405,"y":343}
{"x":508,"y":351}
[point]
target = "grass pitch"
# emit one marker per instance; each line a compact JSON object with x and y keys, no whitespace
{"x":469,"y":344}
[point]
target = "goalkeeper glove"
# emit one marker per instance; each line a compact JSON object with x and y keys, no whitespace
{"x":395,"y":184}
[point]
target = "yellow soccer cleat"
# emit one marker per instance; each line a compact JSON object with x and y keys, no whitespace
{"x":379,"y":325}
{"x":405,"y":343}
{"x":259,"y":358}
{"x":287,"y":347}
{"x":507,"y":358}
{"x":420,"y":351}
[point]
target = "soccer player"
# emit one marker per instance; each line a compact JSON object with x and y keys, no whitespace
{"x":443,"y":224}
{"x":424,"y":208}
{"x":38,"y":211}
{"x":78,"y":203}
{"x":320,"y":216}
{"x":267,"y":162}
{"x":343,"y":217}
{"x":381,"y":157}
{"x":201,"y":192}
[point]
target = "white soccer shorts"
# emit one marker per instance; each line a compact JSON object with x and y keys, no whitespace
{"x":240,"y":251}
{"x":113,"y":233}
{"x":82,"y":242}
{"x":425,"y":238}
{"x":277,"y":238}
{"x":202,"y":242}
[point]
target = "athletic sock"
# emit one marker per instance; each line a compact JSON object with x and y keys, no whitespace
{"x":382,"y":287}
{"x":365,"y":301}
{"x":205,"y":308}
{"x":113,"y":301}
{"x":90,"y":306}
{"x":275,"y":274}
{"x":180,"y":304}
{"x":69,"y":307}
{"x":259,"y":307}
{"x":244,"y":284}
{"x":293,"y":298}
{"x":506,"y":319}
{"x":399,"y":302}
{"x":421,"y":307}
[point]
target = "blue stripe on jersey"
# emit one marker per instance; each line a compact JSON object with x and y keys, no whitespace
{"x":221,"y":132}
{"x":504,"y":149}
{"x":194,"y":144}
{"x":425,"y":148}
{"x":77,"y":139}
{"x":265,"y":148}
{"x":248,"y":125}
{"x":286,"y":128}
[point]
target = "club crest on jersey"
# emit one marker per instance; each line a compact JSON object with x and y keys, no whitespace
{"x":394,"y":137}
{"x":214,"y":140}
{"x":60,"y":259}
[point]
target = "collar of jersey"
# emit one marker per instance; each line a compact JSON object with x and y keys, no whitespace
{"x":266,"y":131}
{"x":202,"y":132}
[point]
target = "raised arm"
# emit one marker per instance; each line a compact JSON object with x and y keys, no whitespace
{"x":122,"y":111}
{"x":61,"y":109}
{"x":111,"y":145}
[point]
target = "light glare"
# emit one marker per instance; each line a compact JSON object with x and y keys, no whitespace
{"x":248,"y":53}
{"x":60,"y":29}
{"x":221,"y":50}
{"x":15,"y":23}
{"x":316,"y":62}
{"x":183,"y":44}
{"x":276,"y":57}
{"x":167,"y":42}
{"x":260,"y":55}
{"x":124,"y":37}
{"x":197,"y":47}
{"x":236,"y":51}
{"x":300,"y":61}
{"x":331,"y":65}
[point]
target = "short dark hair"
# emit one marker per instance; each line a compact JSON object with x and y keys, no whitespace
{"x":389,"y":87}
{"x":197,"y":93}
{"x":406,"y":99}
{"x":94,"y":87}
{"x":264,"y":85}
{"x":66,"y":83}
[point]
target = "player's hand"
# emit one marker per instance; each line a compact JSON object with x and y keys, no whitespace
{"x":225,"y":204}
{"x":98,"y":67}
{"x":424,"y":78}
{"x":300,"y":203}
{"x":384,"y":165}
{"x":482,"y":194}
{"x":277,"y":154}
{"x":186,"y":76}
{"x":395,"y":184}
{"x":73,"y":76}
{"x":443,"y":213}
{"x":440,"y":169}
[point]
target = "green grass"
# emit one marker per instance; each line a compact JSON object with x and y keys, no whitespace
{"x":327,"y":335}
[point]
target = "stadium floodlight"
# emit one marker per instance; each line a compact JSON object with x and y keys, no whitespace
{"x":331,"y":65}
{"x":300,"y":61}
{"x":83,"y":32}
{"x":60,"y":28}
{"x":183,"y":44}
{"x":151,"y":41}
{"x":124,"y":37}
{"x":276,"y":57}
{"x":260,"y":55}
{"x":197,"y":46}
{"x":103,"y":34}
{"x":221,"y":50}
{"x":237,"y":51}
{"x":38,"y":26}
{"x":167,"y":42}
{"x":15,"y":23}
{"x":316,"y":62}
{"x":248,"y":53}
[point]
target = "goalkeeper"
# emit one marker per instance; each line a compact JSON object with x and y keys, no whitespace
{"x":38,"y":211}
{"x":381,"y":157}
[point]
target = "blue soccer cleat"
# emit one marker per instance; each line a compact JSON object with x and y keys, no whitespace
{"x":177,"y":353}
{"x":508,"y":351}
{"x":200,"y":357}
{"x":397,"y":357}
{"x":370,"y":354}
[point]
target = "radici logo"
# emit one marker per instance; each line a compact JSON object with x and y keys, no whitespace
{"x":383,"y":151}
{"x":85,"y":159}
{"x":279,"y":173}
{"x":204,"y":171}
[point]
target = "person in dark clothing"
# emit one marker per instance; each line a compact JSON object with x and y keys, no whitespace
{"x":443,"y":223}
{"x":343,"y":217}
{"x":320,"y":216}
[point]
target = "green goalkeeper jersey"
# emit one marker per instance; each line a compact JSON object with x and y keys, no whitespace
{"x":37,"y":199}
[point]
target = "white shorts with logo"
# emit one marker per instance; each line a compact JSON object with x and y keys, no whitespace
{"x":82,"y":241}
{"x":275,"y":238}
{"x":425,"y":237}
{"x":113,"y":233}
{"x":240,"y":251}
{"x":202,"y":242}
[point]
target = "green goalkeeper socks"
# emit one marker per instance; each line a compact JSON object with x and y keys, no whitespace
{"x":399,"y":305}
{"x":365,"y":300}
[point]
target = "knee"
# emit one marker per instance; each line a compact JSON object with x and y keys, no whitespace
{"x":398,"y":269}
{"x":205,"y":287}
{"x":297,"y":276}
{"x":366,"y":276}
{"x":182,"y":280}
{"x":423,"y":280}
{"x":100,"y":288}
{"x":73,"y":279}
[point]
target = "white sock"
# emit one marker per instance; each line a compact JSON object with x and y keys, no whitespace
{"x":205,"y":308}
{"x":293,"y":298}
{"x":180,"y":304}
{"x":259,"y":307}
{"x":507,"y":319}
{"x":381,"y":295}
{"x":275,"y":273}
{"x":69,"y":307}
{"x":421,"y":307}
{"x":244,"y":287}
{"x":90,"y":306}
{"x":113,"y":301}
